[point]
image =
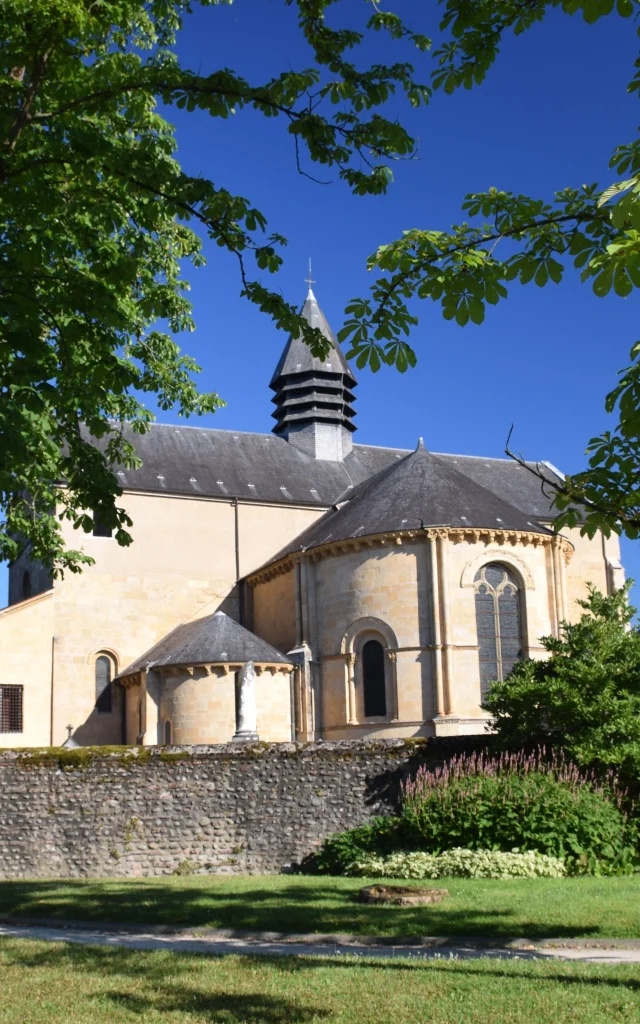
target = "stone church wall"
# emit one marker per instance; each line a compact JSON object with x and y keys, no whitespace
{"x":223,"y":809}
{"x":26,"y":644}
{"x":182,"y":564}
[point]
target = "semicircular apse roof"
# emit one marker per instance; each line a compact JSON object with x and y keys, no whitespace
{"x":214,"y":639}
{"x":422,"y":490}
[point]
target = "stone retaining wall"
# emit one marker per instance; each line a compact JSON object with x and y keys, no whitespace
{"x":222,"y":809}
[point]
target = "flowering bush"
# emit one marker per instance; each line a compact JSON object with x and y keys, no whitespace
{"x":460,"y":863}
{"x":526,"y":801}
{"x":538,"y":804}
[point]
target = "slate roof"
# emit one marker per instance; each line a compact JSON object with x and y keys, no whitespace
{"x":214,"y":639}
{"x":296,"y":357}
{"x":420,"y":490}
{"x":309,"y":390}
{"x":263,"y":467}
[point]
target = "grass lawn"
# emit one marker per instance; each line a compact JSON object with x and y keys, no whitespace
{"x":49,"y":983}
{"x":537,"y":908}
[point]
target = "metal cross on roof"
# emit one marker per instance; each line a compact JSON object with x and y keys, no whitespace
{"x":309,"y":279}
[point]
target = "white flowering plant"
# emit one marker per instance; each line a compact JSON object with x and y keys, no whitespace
{"x":460,"y":863}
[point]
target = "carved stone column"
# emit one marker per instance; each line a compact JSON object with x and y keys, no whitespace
{"x":393,"y":683}
{"x":437,"y":647}
{"x":246,"y":717}
{"x":352,"y":711}
{"x":558,"y":572}
{"x":301,"y":657}
{"x":447,"y":680}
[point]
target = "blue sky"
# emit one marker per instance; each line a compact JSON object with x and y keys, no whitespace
{"x":549,"y":114}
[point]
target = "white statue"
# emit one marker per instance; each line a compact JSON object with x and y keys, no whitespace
{"x":246,"y":719}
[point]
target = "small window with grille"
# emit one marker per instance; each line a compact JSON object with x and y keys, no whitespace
{"x":104,"y":701}
{"x":11,"y":709}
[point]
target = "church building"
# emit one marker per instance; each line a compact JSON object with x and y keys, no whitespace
{"x":293,"y":586}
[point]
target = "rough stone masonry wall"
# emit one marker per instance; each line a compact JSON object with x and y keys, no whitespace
{"x":219,"y":809}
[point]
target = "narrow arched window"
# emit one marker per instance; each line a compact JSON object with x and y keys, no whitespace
{"x":167,"y":733}
{"x":104,"y":702}
{"x":26,"y":584}
{"x":498,"y":622}
{"x":375,"y":697}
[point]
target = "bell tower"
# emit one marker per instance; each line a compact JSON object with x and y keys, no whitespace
{"x":313,"y":397}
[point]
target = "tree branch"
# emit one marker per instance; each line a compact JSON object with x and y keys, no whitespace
{"x":586,"y":503}
{"x":453,"y":250}
{"x":22,"y":117}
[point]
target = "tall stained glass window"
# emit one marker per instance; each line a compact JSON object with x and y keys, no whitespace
{"x":498,"y":622}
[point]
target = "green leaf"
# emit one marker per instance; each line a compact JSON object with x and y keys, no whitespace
{"x":603,"y":282}
{"x":621,"y":283}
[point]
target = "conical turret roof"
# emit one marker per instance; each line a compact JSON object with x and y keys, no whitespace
{"x":214,"y":639}
{"x":419,"y":491}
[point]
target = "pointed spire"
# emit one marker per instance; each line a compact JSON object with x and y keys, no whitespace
{"x":310,"y":281}
{"x":297,"y":358}
{"x":314,"y":396}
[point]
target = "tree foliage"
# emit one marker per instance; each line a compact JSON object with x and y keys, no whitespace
{"x":97,"y":220}
{"x":606,"y":496}
{"x":507,"y":238}
{"x":586,"y":696}
{"x":97,"y":216}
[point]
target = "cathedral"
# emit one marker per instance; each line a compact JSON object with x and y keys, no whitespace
{"x":293,"y":586}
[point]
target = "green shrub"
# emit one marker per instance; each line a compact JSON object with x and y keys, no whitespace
{"x":460,"y":864}
{"x":378,"y":837}
{"x":529,"y":803}
{"x":584,"y":698}
{"x":524,"y":801}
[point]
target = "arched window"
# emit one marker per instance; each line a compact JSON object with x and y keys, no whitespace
{"x":26,"y":584}
{"x":167,"y":733}
{"x":498,"y":621}
{"x":103,"y":670}
{"x":373,"y":681}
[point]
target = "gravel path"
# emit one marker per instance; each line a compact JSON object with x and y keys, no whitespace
{"x":597,"y":953}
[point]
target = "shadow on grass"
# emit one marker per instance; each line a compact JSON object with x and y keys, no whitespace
{"x":166,"y":985}
{"x":164,"y":974}
{"x":313,"y":905}
{"x":245,"y":1008}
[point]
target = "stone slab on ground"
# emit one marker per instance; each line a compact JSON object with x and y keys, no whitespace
{"x":401,"y":895}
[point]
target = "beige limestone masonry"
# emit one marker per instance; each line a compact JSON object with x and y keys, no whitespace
{"x":184,"y":564}
{"x":274,"y":612}
{"x":415,"y":594}
{"x":199,"y":705}
{"x":26,"y":638}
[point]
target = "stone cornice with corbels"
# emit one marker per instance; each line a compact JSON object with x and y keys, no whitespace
{"x":456,"y":534}
{"x":219,"y":668}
